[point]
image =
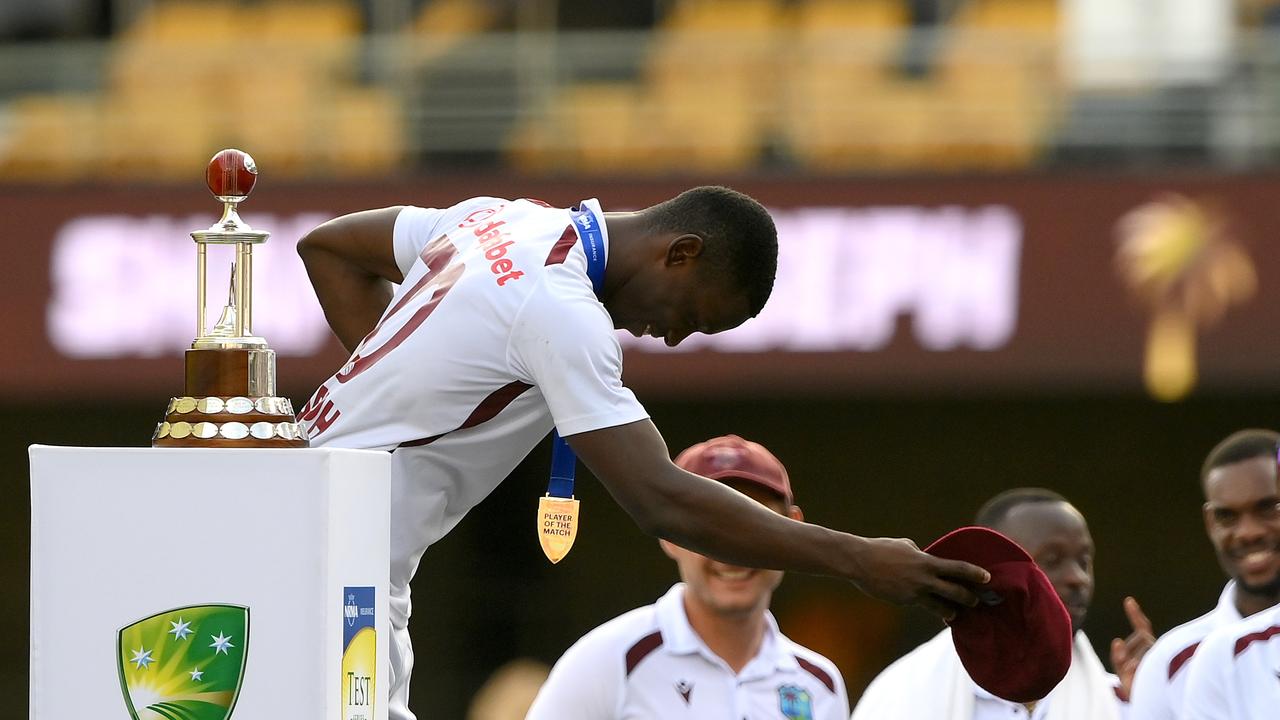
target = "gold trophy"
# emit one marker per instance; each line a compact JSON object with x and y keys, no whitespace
{"x":230,"y":398}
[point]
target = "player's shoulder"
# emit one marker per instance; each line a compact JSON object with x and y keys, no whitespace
{"x":563,"y":301}
{"x":816,"y":665}
{"x":1255,"y":631}
{"x":1175,"y":648}
{"x":1224,"y":641}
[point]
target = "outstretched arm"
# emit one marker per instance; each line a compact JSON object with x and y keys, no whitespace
{"x":351,"y":262}
{"x":710,"y":518}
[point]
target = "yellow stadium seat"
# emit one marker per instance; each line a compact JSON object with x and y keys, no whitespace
{"x":1041,"y":17}
{"x":296,"y":19}
{"x":455,"y":17}
{"x":589,"y":128}
{"x":160,"y":135}
{"x":50,"y":137}
{"x":711,"y":75}
{"x":892,"y":124}
{"x":600,"y":120}
{"x":364,"y":133}
{"x":187,"y":21}
{"x":446,"y":24}
{"x":999,"y":71}
{"x":845,"y":15}
{"x":723,"y":15}
{"x":274,"y":112}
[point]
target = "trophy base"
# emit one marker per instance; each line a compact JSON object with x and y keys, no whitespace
{"x":230,"y":402}
{"x":240,"y":422}
{"x":227,"y":372}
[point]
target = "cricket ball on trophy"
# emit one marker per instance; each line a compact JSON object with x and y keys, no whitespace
{"x":231,"y":174}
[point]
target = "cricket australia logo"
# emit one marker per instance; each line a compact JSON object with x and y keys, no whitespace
{"x":184,"y":664}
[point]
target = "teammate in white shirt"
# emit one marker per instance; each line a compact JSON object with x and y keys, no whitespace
{"x":929,"y":682}
{"x":709,"y":648}
{"x":503,"y":326}
{"x":1235,"y":675}
{"x":1239,"y":483}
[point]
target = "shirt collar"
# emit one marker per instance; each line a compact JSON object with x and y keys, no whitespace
{"x":1227,"y":602}
{"x":595,"y":207}
{"x":679,"y":638}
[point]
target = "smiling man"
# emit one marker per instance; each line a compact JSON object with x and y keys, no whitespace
{"x":709,"y":648}
{"x":476,"y":329}
{"x":1242,"y":519}
{"x":930,"y":682}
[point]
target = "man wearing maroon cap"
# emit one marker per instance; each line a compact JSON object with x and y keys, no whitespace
{"x":931,"y":682}
{"x":709,"y":648}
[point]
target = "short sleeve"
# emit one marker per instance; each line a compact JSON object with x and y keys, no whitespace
{"x":414,"y":228}
{"x":1207,"y":696}
{"x":564,"y":343}
{"x":838,"y":708}
{"x":585,"y":684}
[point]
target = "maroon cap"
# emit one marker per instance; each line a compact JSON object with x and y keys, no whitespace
{"x":1016,"y":644}
{"x":730,"y":456}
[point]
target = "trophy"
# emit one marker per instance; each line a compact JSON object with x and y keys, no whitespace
{"x":230,"y":398}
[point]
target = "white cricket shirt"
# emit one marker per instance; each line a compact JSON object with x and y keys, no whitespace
{"x":930,"y":683}
{"x":1235,"y":674}
{"x":494,"y":336}
{"x":650,"y":663}
{"x":1161,"y":680}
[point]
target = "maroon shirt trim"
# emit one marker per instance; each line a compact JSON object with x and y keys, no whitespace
{"x":1181,"y":659}
{"x":1260,"y":636}
{"x":561,"y":249}
{"x":823,"y":676}
{"x":641,"y":650}
{"x":496,"y":402}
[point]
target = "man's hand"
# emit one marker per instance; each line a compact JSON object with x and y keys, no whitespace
{"x":896,"y":570}
{"x":1127,"y":653}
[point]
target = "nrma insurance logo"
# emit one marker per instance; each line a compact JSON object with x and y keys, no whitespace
{"x":184,"y":664}
{"x":359,"y":653}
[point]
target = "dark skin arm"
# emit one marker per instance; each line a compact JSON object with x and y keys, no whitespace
{"x":709,"y":518}
{"x":351,"y":263}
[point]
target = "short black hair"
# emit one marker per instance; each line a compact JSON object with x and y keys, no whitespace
{"x":994,"y":511}
{"x":738,"y":235}
{"x":1241,"y":446}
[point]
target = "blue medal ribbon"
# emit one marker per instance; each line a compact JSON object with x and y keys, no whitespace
{"x":564,"y":462}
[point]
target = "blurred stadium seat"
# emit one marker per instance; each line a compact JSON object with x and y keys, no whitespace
{"x":720,"y":86}
{"x":50,"y":137}
{"x":187,"y":76}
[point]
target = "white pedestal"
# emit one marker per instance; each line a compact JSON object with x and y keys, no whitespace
{"x":299,"y":538}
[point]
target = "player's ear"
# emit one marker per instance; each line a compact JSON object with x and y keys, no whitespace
{"x":683,"y":249}
{"x":795,"y":513}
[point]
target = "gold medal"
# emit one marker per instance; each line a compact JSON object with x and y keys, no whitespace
{"x":557,"y":526}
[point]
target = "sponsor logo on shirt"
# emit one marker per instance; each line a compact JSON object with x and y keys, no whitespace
{"x":494,"y":240}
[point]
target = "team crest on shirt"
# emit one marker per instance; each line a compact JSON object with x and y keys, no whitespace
{"x":795,"y":702}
